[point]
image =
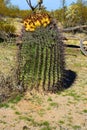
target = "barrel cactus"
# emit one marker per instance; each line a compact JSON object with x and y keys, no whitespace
{"x":42,"y":54}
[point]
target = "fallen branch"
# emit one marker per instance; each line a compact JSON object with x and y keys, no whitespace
{"x":77,"y":28}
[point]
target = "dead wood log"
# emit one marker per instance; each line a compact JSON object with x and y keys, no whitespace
{"x":76,"y":28}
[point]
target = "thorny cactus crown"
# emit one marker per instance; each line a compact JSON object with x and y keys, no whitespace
{"x":42,"y":53}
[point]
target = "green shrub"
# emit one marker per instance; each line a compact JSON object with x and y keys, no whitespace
{"x":7,"y":28}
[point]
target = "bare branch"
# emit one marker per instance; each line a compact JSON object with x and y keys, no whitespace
{"x":32,"y":7}
{"x":39,"y":3}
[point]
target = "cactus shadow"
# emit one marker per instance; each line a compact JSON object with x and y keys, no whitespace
{"x":69,"y":79}
{"x":73,"y":46}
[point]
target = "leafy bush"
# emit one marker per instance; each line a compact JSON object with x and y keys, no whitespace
{"x":76,"y":14}
{"x":7,"y":28}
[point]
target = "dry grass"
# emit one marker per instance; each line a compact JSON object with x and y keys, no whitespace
{"x":7,"y":57}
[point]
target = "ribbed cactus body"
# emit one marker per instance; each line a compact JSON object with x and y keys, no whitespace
{"x":42,"y":54}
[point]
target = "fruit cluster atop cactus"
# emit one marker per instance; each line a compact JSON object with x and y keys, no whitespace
{"x":36,"y":20}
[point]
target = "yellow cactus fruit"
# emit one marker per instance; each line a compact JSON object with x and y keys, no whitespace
{"x":37,"y":23}
{"x":48,"y":21}
{"x":29,"y":20}
{"x":45,"y":24}
{"x":32,"y":29}
{"x":43,"y":20}
{"x":24,"y":22}
{"x":27,"y":29}
{"x":32,"y":25}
